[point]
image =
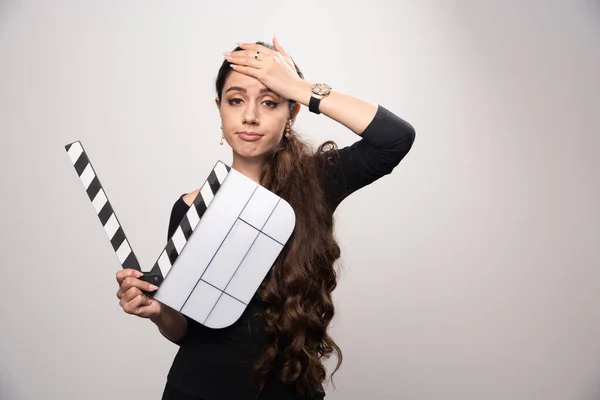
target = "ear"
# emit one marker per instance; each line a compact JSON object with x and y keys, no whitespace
{"x":218,"y":103}
{"x":295,"y":111}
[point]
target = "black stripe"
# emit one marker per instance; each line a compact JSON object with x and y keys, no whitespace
{"x":105,"y":213}
{"x":67,"y":147}
{"x":200,"y":204}
{"x":156,"y":269}
{"x":186,"y":228}
{"x":94,"y":188}
{"x":81,"y":163}
{"x":117,"y":239}
{"x":171,"y":252}
{"x":213,"y":181}
{"x":131,"y":262}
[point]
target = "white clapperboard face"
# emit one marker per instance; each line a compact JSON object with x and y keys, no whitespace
{"x":221,"y":251}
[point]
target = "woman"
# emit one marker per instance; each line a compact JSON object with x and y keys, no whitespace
{"x":276,"y":349}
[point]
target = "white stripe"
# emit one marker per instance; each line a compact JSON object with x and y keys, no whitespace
{"x":99,"y":201}
{"x":206,"y":194}
{"x":111,"y":226}
{"x":164,"y":264}
{"x":75,"y":151}
{"x":123,"y":251}
{"x":192,"y":216}
{"x":221,"y":172}
{"x":87,"y":176}
{"x":179,"y":240}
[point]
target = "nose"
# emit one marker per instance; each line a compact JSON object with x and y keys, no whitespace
{"x":252,"y":120}
{"x":250,"y":116}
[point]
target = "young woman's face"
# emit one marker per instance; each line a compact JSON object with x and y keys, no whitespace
{"x":253,"y":117}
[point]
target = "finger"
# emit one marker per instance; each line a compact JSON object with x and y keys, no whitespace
{"x":245,"y":70}
{"x":247,"y":55}
{"x":127,"y":272}
{"x":131,"y":282}
{"x":140,"y":301}
{"x":130,"y":295}
{"x":149,"y":308}
{"x":135,"y":305}
{"x":245,"y":61}
{"x":277,"y":45}
{"x":253,"y":48}
{"x":252,"y":53}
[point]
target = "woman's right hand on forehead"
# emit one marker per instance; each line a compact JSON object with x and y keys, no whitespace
{"x":132,"y":299}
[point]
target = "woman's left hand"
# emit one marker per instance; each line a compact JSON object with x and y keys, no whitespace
{"x":274,"y":68}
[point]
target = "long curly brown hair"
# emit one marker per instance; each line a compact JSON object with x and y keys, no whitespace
{"x":297,"y":290}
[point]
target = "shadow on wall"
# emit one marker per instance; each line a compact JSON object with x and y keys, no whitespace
{"x":6,"y":391}
{"x":594,"y":7}
{"x":7,"y":8}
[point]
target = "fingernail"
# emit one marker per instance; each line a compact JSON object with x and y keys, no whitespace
{"x":227,"y":53}
{"x":138,"y":274}
{"x":152,"y":287}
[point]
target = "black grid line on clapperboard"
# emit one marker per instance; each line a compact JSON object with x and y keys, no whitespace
{"x":224,"y":291}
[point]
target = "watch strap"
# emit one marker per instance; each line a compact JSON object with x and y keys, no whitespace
{"x":313,"y":104}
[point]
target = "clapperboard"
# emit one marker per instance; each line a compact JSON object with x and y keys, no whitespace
{"x":221,"y":251}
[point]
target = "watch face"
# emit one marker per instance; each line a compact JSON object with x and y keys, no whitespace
{"x":321,"y":89}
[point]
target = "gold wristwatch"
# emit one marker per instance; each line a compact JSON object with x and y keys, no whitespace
{"x":319,"y":91}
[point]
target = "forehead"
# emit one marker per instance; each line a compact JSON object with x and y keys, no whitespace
{"x":248,"y":82}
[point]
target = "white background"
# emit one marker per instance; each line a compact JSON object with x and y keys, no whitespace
{"x":471,"y":272}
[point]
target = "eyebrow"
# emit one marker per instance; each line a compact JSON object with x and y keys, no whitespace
{"x":241,"y":89}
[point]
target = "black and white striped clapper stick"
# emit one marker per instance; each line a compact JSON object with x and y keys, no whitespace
{"x":221,"y":251}
{"x":113,"y":228}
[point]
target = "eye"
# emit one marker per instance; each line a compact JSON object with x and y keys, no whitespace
{"x":271,"y":103}
{"x":234,"y":101}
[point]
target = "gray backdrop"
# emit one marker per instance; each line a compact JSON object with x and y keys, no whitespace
{"x":470,"y":273}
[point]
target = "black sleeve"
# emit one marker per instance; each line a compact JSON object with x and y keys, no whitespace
{"x":383,"y":144}
{"x":177,"y":213}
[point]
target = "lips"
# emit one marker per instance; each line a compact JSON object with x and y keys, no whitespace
{"x":249,"y":136}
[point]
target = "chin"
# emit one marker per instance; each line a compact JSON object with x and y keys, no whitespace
{"x":249,"y":153}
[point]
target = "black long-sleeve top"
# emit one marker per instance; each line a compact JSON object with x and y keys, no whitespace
{"x":216,"y":364}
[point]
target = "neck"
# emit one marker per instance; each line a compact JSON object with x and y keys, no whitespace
{"x":251,"y":168}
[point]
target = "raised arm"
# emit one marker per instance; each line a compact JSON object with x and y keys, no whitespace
{"x":386,"y":138}
{"x":385,"y":141}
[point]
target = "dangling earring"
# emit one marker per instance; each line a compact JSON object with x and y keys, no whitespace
{"x":288,"y":126}
{"x":222,"y":136}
